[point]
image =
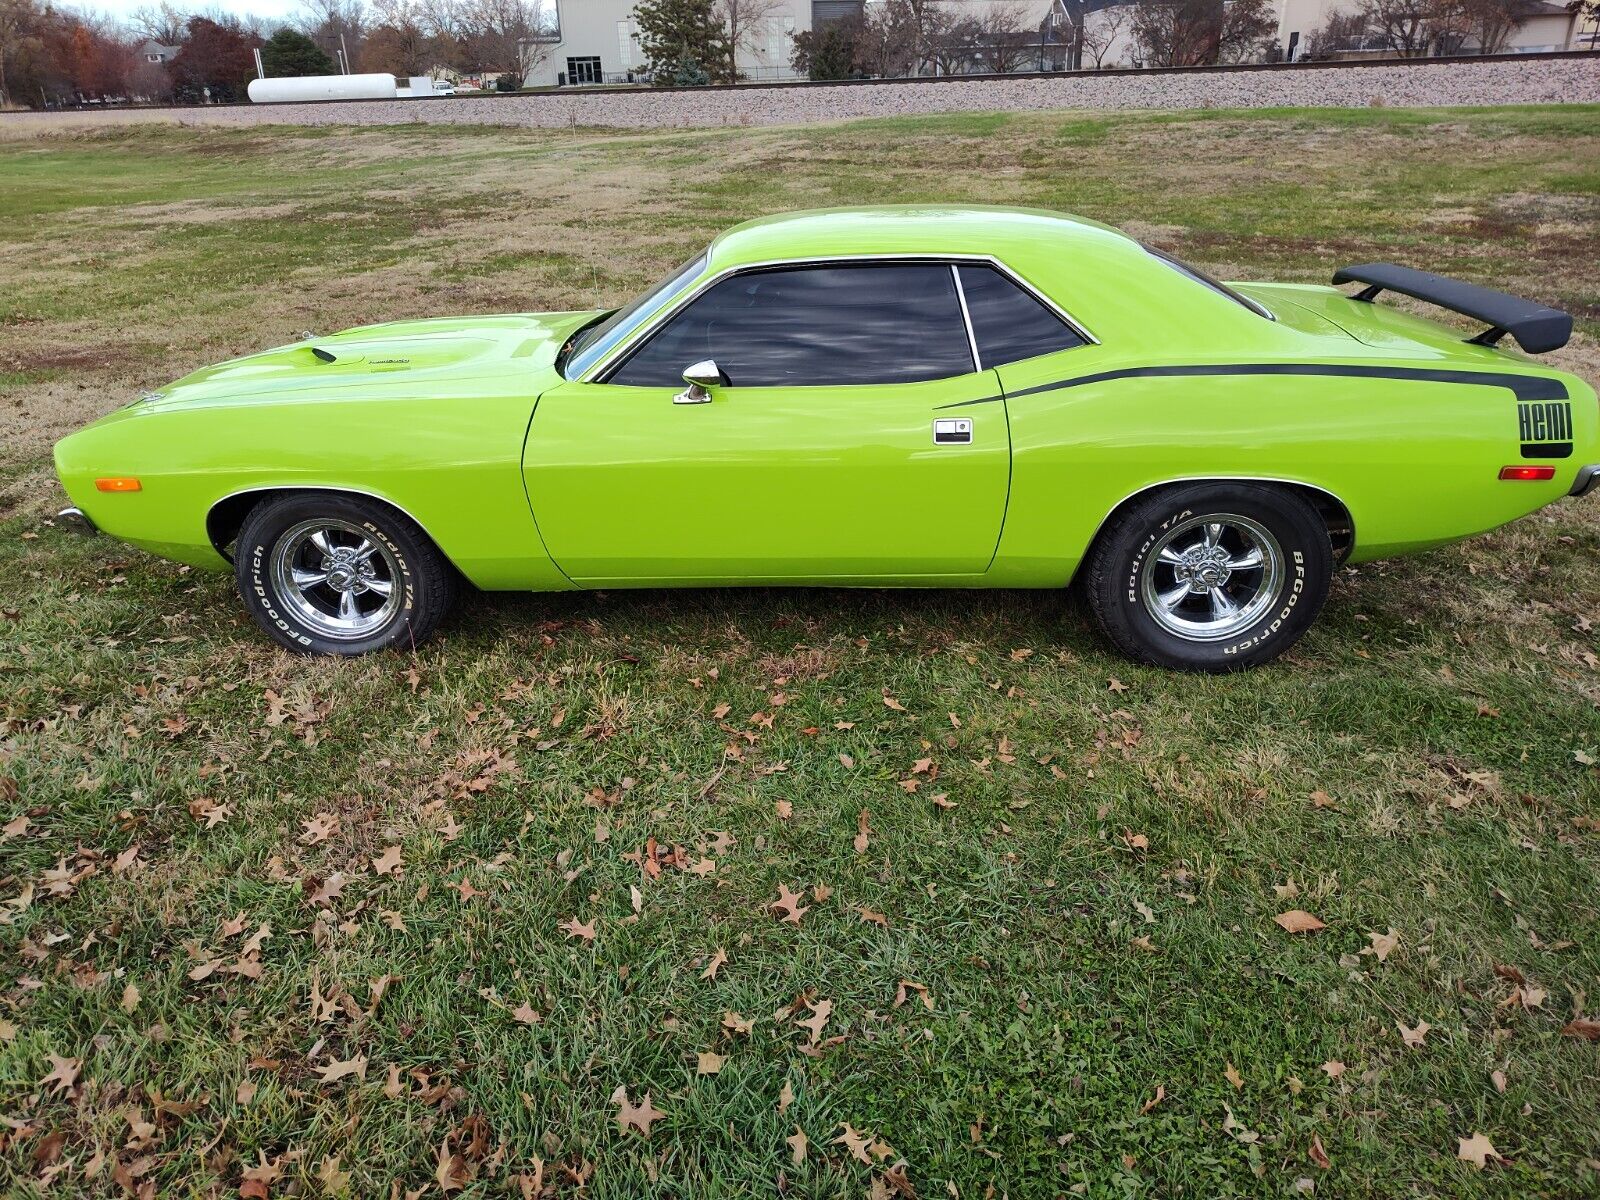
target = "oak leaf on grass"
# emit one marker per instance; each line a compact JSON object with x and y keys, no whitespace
{"x":788,"y":904}
{"x":640,"y":1116}
{"x":1477,"y":1150}
{"x":1297,"y":920}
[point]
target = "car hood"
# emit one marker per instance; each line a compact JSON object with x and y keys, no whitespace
{"x":404,"y":353}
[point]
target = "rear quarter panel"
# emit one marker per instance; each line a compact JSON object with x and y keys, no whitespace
{"x":1414,"y":462}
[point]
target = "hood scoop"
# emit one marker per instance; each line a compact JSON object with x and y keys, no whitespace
{"x":324,"y":355}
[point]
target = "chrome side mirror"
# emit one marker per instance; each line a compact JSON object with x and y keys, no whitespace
{"x":700,"y":378}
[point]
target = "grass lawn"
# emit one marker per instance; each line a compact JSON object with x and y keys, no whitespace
{"x":281,"y":927}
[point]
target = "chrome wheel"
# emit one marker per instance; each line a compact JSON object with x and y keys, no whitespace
{"x":336,"y":578}
{"x":1211,"y":577}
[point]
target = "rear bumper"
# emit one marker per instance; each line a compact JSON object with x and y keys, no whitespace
{"x":75,"y":521}
{"x":1588,"y":480}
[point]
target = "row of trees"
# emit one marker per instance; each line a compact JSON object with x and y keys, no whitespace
{"x":51,"y":56}
{"x":926,"y":37}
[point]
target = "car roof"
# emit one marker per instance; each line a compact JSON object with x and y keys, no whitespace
{"x":1012,"y":234}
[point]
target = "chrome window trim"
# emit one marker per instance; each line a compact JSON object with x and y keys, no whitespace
{"x":602,"y":371}
{"x":966,"y":317}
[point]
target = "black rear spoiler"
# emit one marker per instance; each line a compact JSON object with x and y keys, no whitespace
{"x":1537,"y":329}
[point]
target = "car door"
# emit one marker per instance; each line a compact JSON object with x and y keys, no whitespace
{"x":837,"y":450}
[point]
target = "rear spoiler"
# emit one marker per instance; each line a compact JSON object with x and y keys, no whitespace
{"x":1537,"y":329}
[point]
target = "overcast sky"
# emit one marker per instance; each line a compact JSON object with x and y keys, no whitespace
{"x":271,"y":9}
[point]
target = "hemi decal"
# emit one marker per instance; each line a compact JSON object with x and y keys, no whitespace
{"x":1524,"y":387}
{"x":1545,"y":428}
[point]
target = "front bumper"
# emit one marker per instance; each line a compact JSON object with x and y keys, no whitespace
{"x":74,"y":520}
{"x":1588,"y":480}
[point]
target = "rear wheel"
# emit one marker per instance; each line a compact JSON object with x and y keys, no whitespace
{"x":325,"y":573}
{"x":1209,"y":576}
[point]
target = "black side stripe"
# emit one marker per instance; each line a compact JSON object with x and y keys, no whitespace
{"x":1524,"y":387}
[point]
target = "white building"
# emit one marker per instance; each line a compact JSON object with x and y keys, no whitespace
{"x":597,"y":41}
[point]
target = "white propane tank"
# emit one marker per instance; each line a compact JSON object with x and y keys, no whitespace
{"x":322,"y":87}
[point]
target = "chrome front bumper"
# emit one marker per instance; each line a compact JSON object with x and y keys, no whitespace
{"x":74,"y":521}
{"x":1588,"y":479}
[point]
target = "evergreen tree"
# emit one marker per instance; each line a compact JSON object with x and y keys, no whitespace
{"x":289,"y":53}
{"x":684,"y":41}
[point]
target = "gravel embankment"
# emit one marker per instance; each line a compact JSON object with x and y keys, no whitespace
{"x":1543,"y":80}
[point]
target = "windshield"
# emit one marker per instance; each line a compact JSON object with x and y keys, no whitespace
{"x":593,"y":342}
{"x":1205,"y":280}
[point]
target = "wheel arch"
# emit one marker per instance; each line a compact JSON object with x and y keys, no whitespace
{"x":226,"y":516}
{"x":1335,"y":513}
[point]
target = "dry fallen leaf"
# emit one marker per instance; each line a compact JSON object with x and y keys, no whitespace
{"x":785,"y":1097}
{"x":1383,"y":944}
{"x":637,"y":1116}
{"x":1333,"y":1068}
{"x":784,"y":809}
{"x":855,"y":1143}
{"x":717,"y":959}
{"x":1148,"y":1105}
{"x":1317,"y":1154}
{"x":63,"y":1073}
{"x":1477,"y":1150}
{"x":708,"y":1063}
{"x":821,"y":1010}
{"x":338,"y":1070}
{"x":1582,"y":1027}
{"x":526,"y":1014}
{"x":788,"y":904}
{"x":1414,"y":1037}
{"x":576,"y":928}
{"x":862,"y":830}
{"x":388,"y":862}
{"x":1297,"y":920}
{"x":1231,"y":1074}
{"x":797,"y":1145}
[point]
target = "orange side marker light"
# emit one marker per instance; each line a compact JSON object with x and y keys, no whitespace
{"x":127,"y":483}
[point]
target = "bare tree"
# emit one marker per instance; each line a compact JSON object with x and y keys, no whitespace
{"x":400,"y":38}
{"x":337,"y":26}
{"x":1249,"y":31}
{"x":1004,"y":38}
{"x":15,"y":19}
{"x":1102,"y":30}
{"x":161,"y":23}
{"x":1178,"y":33}
{"x":512,"y":37}
{"x":746,"y":25}
{"x":885,"y":39}
{"x":1492,"y":22}
{"x":1341,"y":31}
{"x":1401,"y":24}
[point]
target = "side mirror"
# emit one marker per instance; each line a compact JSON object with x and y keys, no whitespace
{"x":700,"y":378}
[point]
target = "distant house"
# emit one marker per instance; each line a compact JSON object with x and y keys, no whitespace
{"x":155,"y":52}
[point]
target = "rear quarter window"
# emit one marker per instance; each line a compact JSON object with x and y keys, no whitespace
{"x":1008,"y":322}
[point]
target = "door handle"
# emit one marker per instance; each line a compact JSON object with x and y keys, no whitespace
{"x":952,"y":431}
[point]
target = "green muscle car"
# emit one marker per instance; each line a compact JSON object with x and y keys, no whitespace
{"x":884,"y":397}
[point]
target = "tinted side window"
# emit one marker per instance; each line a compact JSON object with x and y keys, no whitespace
{"x":803,"y":326}
{"x":1010,"y":324}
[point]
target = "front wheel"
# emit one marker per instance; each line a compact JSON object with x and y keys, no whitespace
{"x":1209,"y":576}
{"x":325,"y":573}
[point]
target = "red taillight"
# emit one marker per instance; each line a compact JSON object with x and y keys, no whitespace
{"x":127,"y":483}
{"x":1527,"y":472}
